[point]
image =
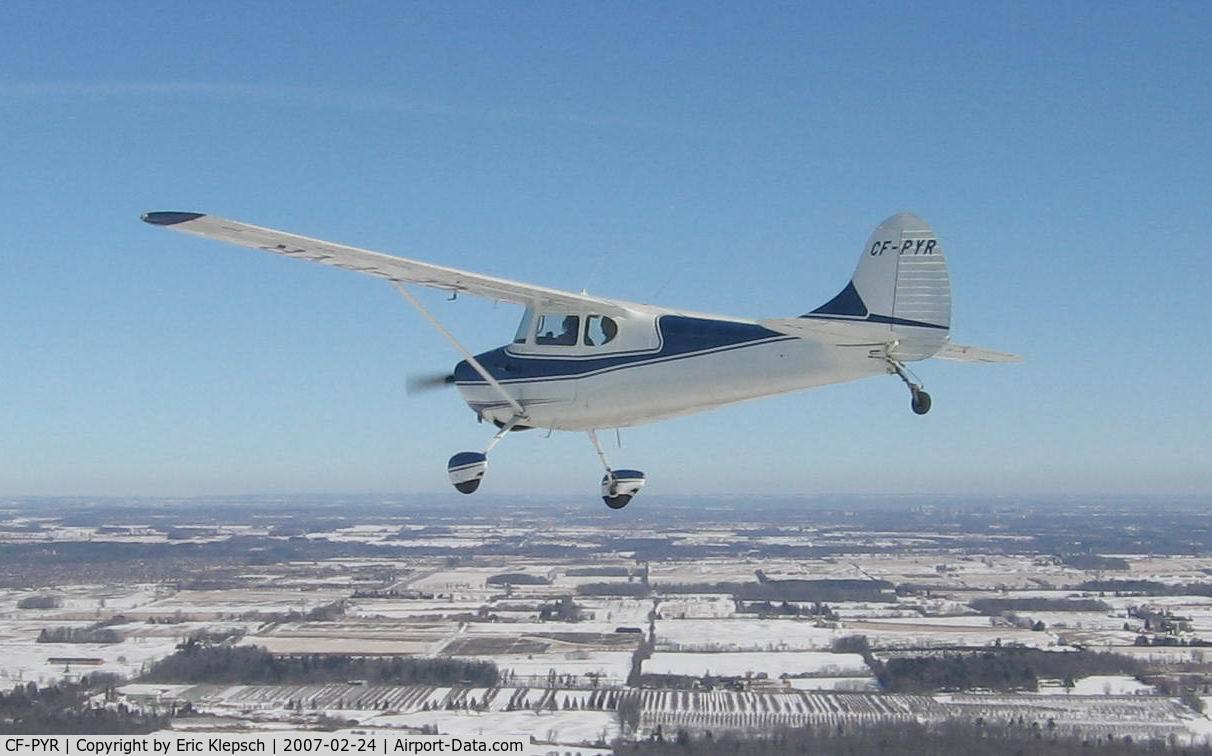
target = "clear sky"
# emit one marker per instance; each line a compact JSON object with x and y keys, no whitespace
{"x":721,"y":157}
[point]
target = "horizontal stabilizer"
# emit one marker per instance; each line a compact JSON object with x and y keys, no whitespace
{"x":961,"y":353}
{"x":833,"y":332}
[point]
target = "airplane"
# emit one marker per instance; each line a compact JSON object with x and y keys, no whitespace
{"x":579,"y":362}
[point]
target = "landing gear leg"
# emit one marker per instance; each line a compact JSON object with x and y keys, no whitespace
{"x":919,"y":400}
{"x":618,"y":486}
{"x":467,"y":469}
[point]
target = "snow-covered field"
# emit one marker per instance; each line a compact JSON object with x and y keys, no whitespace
{"x":697,"y":607}
{"x":289,"y":645}
{"x":463,"y":583}
{"x":746,"y":664}
{"x":531,"y":628}
{"x":961,"y":621}
{"x":552,"y":670}
{"x":834,"y":683}
{"x":1081,"y":620}
{"x":85,"y":601}
{"x":27,"y":661}
{"x":619,"y":611}
{"x":1167,"y":654}
{"x":233,"y":603}
{"x":1098,"y":685}
{"x":610,"y":666}
{"x":743,"y":635}
{"x":900,"y":635}
{"x":562,"y":727}
{"x":401,"y":608}
{"x":722,"y":570}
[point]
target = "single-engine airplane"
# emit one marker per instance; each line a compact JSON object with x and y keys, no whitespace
{"x":584,"y":363}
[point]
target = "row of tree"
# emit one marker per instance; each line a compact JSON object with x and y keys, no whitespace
{"x":1003,"y":669}
{"x":66,"y":709}
{"x":1007,"y":668}
{"x":900,"y":739}
{"x":195,"y":662}
{"x":996,"y":606}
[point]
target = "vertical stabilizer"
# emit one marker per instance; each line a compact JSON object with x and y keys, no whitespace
{"x":900,"y":282}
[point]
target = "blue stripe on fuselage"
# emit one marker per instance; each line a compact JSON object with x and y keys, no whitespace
{"x":681,"y":337}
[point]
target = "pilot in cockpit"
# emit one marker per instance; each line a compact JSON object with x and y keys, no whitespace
{"x":567,"y":336}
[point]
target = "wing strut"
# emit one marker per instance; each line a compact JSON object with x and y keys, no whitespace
{"x":471,"y":360}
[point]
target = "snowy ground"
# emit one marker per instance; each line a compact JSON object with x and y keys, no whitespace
{"x":970,"y":620}
{"x":233,"y":603}
{"x":834,"y":683}
{"x":398,"y":608}
{"x":27,"y":661}
{"x":745,"y":664}
{"x":697,"y":607}
{"x":85,"y":601}
{"x":1081,"y":620}
{"x":562,"y":727}
{"x":277,"y":645}
{"x":1098,"y":685}
{"x":926,"y":635}
{"x":611,"y":666}
{"x":743,"y":635}
{"x":619,"y":611}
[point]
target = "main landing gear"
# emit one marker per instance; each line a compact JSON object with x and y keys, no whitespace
{"x":467,"y":469}
{"x":919,"y":400}
{"x":618,"y":486}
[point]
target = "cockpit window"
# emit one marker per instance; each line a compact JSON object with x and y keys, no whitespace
{"x":600,"y":330}
{"x":524,"y":327}
{"x":557,"y":330}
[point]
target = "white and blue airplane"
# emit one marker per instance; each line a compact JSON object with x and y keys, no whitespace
{"x":585,"y":363}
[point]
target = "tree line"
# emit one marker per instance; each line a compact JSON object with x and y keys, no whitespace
{"x":1009,"y":668}
{"x":65,"y":709}
{"x":198,"y":663}
{"x":78,"y":635}
{"x":954,"y":738}
{"x":1005,"y":669}
{"x":996,"y":606}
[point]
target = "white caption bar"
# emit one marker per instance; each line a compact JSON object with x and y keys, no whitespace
{"x":279,"y":743}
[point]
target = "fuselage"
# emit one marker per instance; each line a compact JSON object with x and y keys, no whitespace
{"x":648,"y":364}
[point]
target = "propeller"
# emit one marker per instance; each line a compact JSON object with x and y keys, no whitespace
{"x":419,"y":383}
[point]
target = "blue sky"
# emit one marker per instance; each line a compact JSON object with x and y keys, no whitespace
{"x":720,"y":157}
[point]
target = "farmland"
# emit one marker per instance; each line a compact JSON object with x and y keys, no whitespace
{"x":584,"y":627}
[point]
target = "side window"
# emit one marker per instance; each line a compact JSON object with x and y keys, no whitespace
{"x":600,"y":330}
{"x":557,"y":330}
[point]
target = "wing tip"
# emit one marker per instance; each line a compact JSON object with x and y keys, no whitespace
{"x":169,"y":217}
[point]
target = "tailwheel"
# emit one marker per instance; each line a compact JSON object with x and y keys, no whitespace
{"x":919,"y":400}
{"x":620,"y":486}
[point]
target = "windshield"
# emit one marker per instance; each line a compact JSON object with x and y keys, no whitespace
{"x":523,"y":331}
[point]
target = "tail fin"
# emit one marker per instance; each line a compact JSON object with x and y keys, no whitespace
{"x":901,"y":282}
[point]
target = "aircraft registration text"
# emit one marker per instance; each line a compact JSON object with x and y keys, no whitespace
{"x":907,"y":247}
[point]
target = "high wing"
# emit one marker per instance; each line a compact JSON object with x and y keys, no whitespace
{"x":387,"y":267}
